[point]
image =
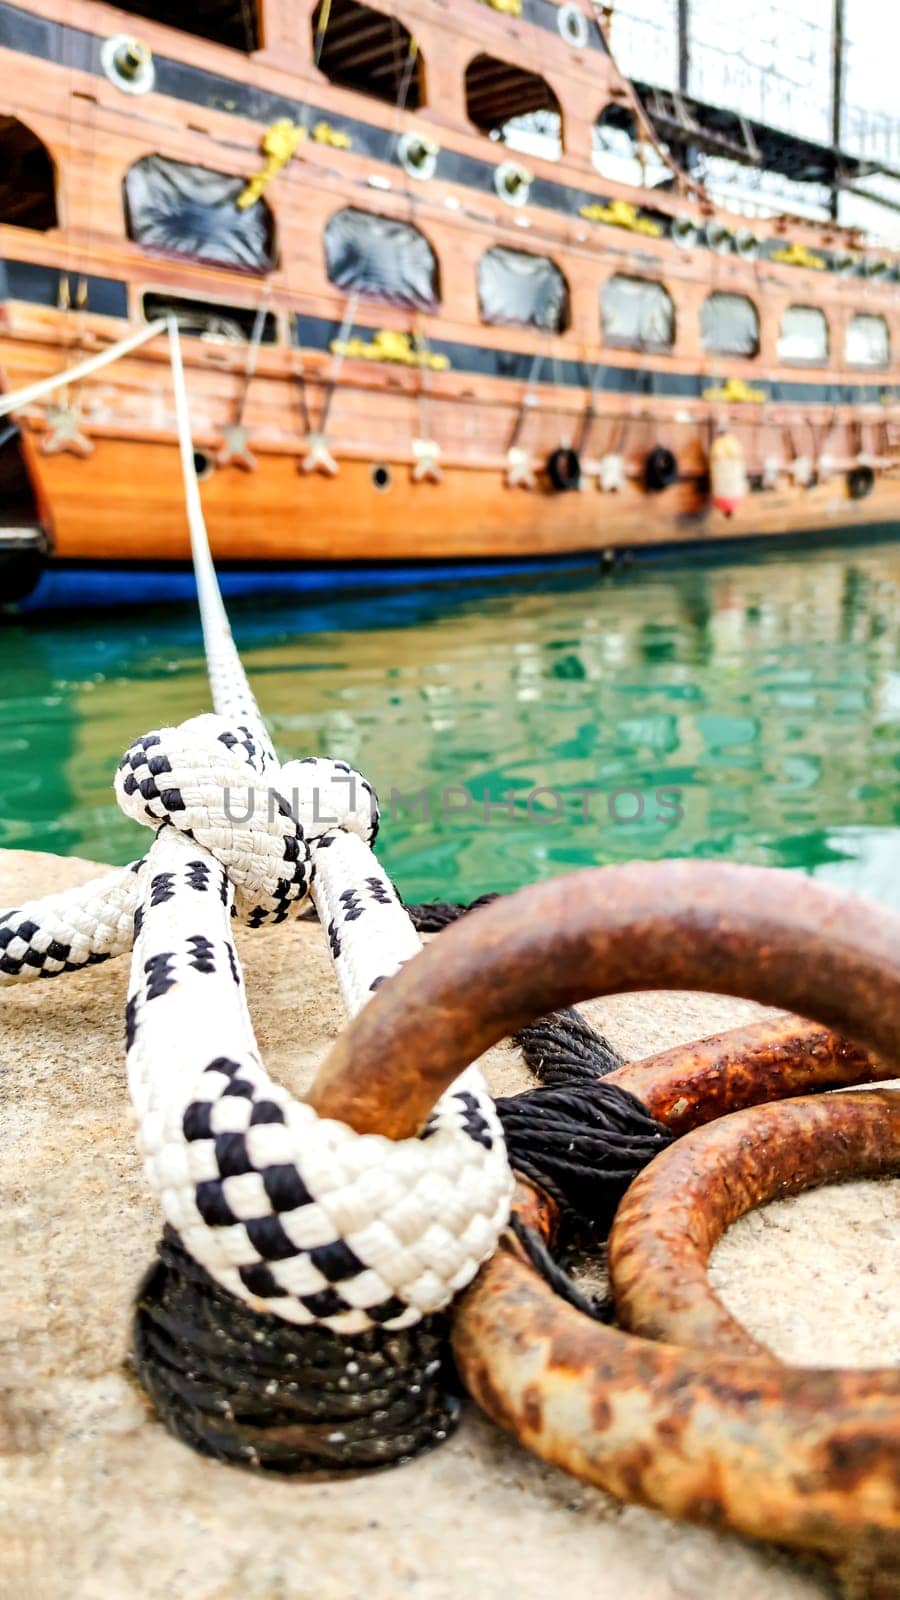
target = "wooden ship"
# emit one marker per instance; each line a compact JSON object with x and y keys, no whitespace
{"x":425,"y":325}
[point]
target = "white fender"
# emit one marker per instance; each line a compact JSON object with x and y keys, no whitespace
{"x":611,"y":474}
{"x":727,"y":473}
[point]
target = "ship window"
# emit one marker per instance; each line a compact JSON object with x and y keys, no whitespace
{"x":638,"y":314}
{"x":27,"y":178}
{"x":211,"y":320}
{"x":868,"y":341}
{"x":365,"y":50}
{"x":517,"y":288}
{"x":804,"y":334}
{"x":231,"y":22}
{"x":515,"y":107}
{"x":729,"y":325}
{"x":381,"y":259}
{"x":191,"y":211}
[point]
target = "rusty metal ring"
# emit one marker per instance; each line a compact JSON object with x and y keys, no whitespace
{"x":806,"y":1458}
{"x":750,"y":931}
{"x":678,"y":1208}
{"x":771,"y":1060}
{"x":772,"y":1452}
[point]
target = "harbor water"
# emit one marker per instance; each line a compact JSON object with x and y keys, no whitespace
{"x":742,"y":708}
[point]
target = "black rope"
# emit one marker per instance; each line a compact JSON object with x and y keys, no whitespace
{"x":598,"y":1307}
{"x":434,"y":915}
{"x":563,"y":1049}
{"x":260,"y":1392}
{"x":583,"y":1144}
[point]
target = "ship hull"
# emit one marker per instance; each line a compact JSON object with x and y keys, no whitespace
{"x":127,"y":503}
{"x":121,"y":536}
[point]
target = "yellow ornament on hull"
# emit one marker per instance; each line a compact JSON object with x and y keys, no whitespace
{"x":622,"y":214}
{"x":279,"y":143}
{"x":388,"y":345}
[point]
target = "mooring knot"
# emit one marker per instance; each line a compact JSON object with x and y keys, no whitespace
{"x":217,"y":784}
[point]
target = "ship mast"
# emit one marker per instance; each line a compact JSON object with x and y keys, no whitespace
{"x":837,"y":98}
{"x":684,"y":47}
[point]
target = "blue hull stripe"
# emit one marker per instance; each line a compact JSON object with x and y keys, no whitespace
{"x":65,"y":586}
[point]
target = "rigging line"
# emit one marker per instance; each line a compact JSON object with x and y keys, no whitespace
{"x":252,"y":354}
{"x":527,"y":401}
{"x":321,"y":30}
{"x":64,"y":290}
{"x":590,"y":410}
{"x":298,"y":372}
{"x":318,"y":46}
{"x":564,"y":439}
{"x":248,"y":24}
{"x":393,"y":139}
{"x":81,"y":290}
{"x":420,"y":340}
{"x":346,"y":329}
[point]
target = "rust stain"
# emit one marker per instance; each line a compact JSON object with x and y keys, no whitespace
{"x":805,"y":1458}
{"x":532,"y":1407}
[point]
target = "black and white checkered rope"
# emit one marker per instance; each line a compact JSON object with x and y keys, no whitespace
{"x":198,"y":778}
{"x":294,"y":1214}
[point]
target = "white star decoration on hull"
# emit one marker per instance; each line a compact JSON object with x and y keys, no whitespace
{"x":426,"y":461}
{"x":519,"y":470}
{"x":235,"y":448}
{"x":65,"y":436}
{"x":318,"y":456}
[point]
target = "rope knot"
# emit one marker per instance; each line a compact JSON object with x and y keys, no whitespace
{"x":206,"y":779}
{"x":325,"y":795}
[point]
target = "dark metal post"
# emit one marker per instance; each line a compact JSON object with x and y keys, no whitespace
{"x":837,"y":97}
{"x":684,"y":46}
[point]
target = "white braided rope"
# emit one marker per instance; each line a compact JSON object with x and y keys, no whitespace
{"x":296,"y":1215}
{"x":231,"y":693}
{"x":17,"y":398}
{"x":293,"y":1213}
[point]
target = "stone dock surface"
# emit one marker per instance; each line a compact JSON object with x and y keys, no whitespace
{"x":98,"y":1502}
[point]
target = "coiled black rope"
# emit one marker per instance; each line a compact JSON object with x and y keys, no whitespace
{"x":265,"y":1393}
{"x":598,"y":1307}
{"x":433,"y":915}
{"x":579,"y":1139}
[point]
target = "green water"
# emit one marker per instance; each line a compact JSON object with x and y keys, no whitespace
{"x":747,"y":710}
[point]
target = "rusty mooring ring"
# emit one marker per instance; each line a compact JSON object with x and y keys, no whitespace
{"x":772,"y":1060}
{"x":678,"y":1208}
{"x":809,"y":1458}
{"x":751,"y":931}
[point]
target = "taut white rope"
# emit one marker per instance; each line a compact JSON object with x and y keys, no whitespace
{"x":81,"y":369}
{"x":232,"y":695}
{"x":296,"y":1215}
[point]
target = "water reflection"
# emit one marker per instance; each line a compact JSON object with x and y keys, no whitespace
{"x":748,"y":710}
